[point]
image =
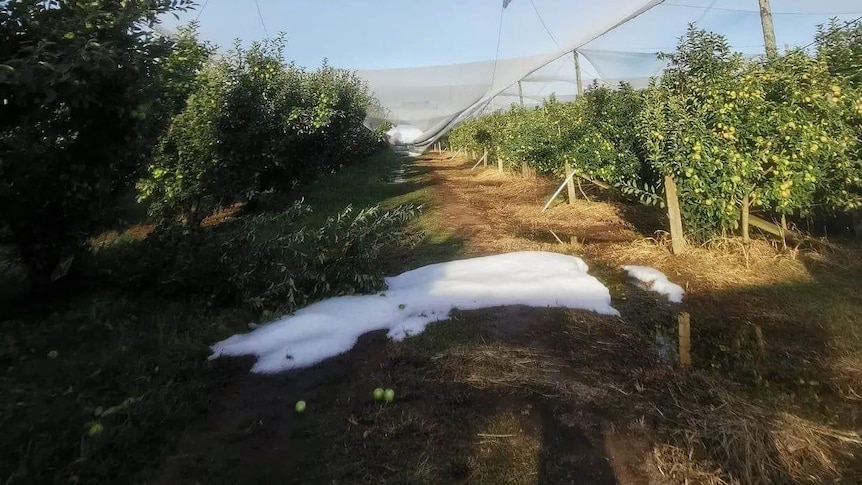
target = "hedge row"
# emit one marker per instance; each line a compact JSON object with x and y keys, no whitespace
{"x":93,"y":101}
{"x":254,"y":123}
{"x":783,"y":132}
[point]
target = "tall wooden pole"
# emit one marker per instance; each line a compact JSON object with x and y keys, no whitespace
{"x":768,"y":29}
{"x":578,"y":72}
{"x":520,"y":94}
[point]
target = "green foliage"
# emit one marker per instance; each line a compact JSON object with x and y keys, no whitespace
{"x":72,"y":80}
{"x":273,"y":262}
{"x":184,"y":170}
{"x":779,"y":131}
{"x":684,"y":129}
{"x":251,"y":124}
{"x":175,"y":77}
{"x":341,"y":257}
{"x":380,"y":133}
{"x":783,"y":132}
{"x":127,"y":347}
{"x":840,"y":46}
{"x":590,"y":134}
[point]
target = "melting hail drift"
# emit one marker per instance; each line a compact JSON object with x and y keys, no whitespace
{"x":416,"y":298}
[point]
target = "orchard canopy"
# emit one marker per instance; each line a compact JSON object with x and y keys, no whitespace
{"x":434,"y":63}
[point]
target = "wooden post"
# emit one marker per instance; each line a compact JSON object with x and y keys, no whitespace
{"x":784,"y":230}
{"x":485,"y":157}
{"x":571,"y":184}
{"x":557,"y":192}
{"x":775,"y":229}
{"x":579,"y":86}
{"x":673,"y":214}
{"x":761,"y":344}
{"x":500,"y":165}
{"x":768,"y":29}
{"x":521,"y":94}
{"x":745,"y":211}
{"x":684,"y":339}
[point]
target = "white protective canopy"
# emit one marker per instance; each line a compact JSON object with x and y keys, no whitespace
{"x":502,"y":51}
{"x":613,"y":41}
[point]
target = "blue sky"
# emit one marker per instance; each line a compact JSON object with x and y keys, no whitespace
{"x":373,"y":34}
{"x":359,"y":33}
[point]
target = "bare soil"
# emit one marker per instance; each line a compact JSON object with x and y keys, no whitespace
{"x":552,"y":396}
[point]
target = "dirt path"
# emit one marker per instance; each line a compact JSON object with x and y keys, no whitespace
{"x":455,"y":419}
{"x":503,"y":212}
{"x":505,"y":395}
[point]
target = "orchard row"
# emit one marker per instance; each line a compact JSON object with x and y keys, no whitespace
{"x":778,"y":135}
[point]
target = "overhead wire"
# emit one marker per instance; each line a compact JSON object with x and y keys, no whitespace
{"x":497,"y":51}
{"x":846,"y":24}
{"x":547,"y":30}
{"x":201,"y":11}
{"x":706,"y":11}
{"x":711,"y":6}
{"x":726,"y":9}
{"x":696,"y":22}
{"x":260,"y":16}
{"x":551,"y":35}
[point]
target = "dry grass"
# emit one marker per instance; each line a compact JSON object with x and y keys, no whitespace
{"x":753,"y":443}
{"x":227,"y":214}
{"x":706,"y":431}
{"x":505,"y":214}
{"x":708,"y":428}
{"x":677,"y":465}
{"x":847,"y":377}
{"x":137,"y":232}
{"x":711,"y":267}
{"x":504,"y":446}
{"x":516,"y":369}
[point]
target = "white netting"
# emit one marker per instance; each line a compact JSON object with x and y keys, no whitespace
{"x":432,"y":98}
{"x":616,"y":41}
{"x":403,"y":134}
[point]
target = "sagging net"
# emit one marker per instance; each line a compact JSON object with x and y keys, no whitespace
{"x":612,"y":42}
{"x":522,"y":51}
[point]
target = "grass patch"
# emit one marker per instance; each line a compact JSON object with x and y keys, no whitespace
{"x":361,"y":185}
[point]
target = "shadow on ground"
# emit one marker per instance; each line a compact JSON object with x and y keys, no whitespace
{"x":489,"y":397}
